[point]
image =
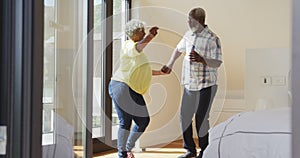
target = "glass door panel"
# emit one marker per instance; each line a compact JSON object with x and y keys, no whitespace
{"x":114,"y":10}
{"x":98,"y":120}
{"x":119,"y":20}
{"x":49,"y":73}
{"x":65,"y":78}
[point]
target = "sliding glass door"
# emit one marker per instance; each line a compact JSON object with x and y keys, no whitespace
{"x":120,"y":16}
{"x":109,"y":22}
{"x":79,"y":43}
{"x":66,"y":82}
{"x":57,"y":62}
{"x":98,"y":128}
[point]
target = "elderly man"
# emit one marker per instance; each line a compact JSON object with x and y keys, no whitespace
{"x":199,"y":77}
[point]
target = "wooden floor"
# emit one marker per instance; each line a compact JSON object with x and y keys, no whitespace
{"x":172,"y":150}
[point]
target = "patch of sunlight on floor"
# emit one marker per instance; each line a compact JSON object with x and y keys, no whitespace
{"x":151,"y":153}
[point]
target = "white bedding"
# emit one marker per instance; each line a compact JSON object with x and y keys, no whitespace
{"x":259,"y":134}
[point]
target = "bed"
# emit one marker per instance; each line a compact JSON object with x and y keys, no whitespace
{"x":256,"y":134}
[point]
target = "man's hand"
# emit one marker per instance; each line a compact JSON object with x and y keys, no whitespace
{"x":166,"y":69}
{"x":195,"y":57}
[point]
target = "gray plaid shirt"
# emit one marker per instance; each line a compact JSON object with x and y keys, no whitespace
{"x":196,"y":76}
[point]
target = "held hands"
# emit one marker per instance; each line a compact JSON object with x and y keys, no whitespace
{"x":163,"y":71}
{"x":157,"y":72}
{"x":166,"y":70}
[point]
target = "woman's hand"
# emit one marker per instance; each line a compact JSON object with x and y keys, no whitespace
{"x":158,"y":72}
{"x":153,"y":31}
{"x":142,"y":43}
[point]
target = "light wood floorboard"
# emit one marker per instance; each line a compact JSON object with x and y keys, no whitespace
{"x":172,"y":150}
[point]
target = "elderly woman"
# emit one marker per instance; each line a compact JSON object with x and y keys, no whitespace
{"x":129,"y":83}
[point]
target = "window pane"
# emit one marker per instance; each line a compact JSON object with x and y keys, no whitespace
{"x":119,"y":18}
{"x":49,"y":73}
{"x":65,"y":78}
{"x":97,"y":77}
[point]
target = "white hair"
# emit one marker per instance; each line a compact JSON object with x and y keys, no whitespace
{"x":133,"y":25}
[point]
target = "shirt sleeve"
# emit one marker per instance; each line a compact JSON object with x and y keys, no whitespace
{"x":181,"y":46}
{"x":130,"y":49}
{"x":215,"y":50}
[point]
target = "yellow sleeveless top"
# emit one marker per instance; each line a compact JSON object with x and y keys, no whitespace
{"x":134,"y":69}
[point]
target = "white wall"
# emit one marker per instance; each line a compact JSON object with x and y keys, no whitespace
{"x":267,"y":78}
{"x":240,"y":24}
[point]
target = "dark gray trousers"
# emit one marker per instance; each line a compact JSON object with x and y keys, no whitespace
{"x":198,"y":104}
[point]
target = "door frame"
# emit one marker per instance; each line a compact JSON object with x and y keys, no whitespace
{"x":21,"y":94}
{"x":295,"y":78}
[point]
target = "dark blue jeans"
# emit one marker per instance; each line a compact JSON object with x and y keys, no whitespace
{"x":130,"y":106}
{"x":196,"y":103}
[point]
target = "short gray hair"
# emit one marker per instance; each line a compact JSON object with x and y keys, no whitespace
{"x":133,"y":25}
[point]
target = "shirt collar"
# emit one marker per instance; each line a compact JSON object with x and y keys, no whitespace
{"x":202,"y":32}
